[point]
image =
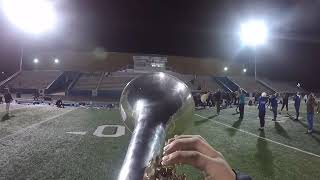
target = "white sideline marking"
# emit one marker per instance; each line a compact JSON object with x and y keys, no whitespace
{"x":37,"y":124}
{"x":290,"y":147}
{"x":78,"y":133}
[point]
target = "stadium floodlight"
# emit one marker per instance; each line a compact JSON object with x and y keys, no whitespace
{"x":244,"y":70}
{"x":32,"y":16}
{"x":35,"y":60}
{"x":56,"y":61}
{"x":253,"y":33}
{"x":225,"y":68}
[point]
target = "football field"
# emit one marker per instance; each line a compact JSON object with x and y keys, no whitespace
{"x":44,"y":142}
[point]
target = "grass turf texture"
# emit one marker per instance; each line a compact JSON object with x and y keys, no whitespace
{"x":34,"y":144}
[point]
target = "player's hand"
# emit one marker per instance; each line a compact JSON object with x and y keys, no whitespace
{"x":195,"y":151}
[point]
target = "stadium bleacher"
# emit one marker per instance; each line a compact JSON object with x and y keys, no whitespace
{"x":250,"y":85}
{"x":207,"y":82}
{"x":112,"y":82}
{"x":282,"y":86}
{"x":116,"y":81}
{"x":88,"y":81}
{"x":33,"y":79}
{"x":227,"y":84}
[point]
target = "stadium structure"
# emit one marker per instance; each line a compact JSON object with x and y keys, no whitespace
{"x":88,"y":139}
{"x":103,"y":75}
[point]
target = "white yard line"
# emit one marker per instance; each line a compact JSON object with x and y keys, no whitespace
{"x":78,"y":133}
{"x":37,"y":124}
{"x":266,"y":139}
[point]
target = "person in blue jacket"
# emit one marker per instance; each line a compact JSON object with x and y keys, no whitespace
{"x":274,"y":105}
{"x":297,"y":101}
{"x":263,"y":100}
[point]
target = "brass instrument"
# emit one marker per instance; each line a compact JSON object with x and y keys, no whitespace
{"x":155,"y":107}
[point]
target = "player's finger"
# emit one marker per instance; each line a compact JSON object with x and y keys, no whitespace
{"x":192,"y":158}
{"x":191,"y":144}
{"x":185,"y":136}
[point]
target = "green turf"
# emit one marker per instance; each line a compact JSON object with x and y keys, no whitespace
{"x":46,"y":151}
{"x":260,"y":158}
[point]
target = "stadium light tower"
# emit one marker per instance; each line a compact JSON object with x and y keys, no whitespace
{"x":32,"y":16}
{"x":225,"y":68}
{"x":254,"y":33}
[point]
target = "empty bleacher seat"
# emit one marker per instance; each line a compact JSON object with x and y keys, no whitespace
{"x":88,"y":81}
{"x":249,"y":84}
{"x":282,"y":86}
{"x":208,"y":82}
{"x":33,"y":79}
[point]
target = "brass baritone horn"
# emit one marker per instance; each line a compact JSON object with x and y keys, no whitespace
{"x":155,"y":107}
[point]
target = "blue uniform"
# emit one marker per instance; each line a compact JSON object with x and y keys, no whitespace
{"x":262,"y":110}
{"x":274,"y":105}
{"x":297,"y":100}
{"x":262,"y":104}
{"x":273,"y":101}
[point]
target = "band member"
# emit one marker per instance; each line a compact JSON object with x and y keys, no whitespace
{"x":204,"y":98}
{"x":297,"y":101}
{"x":262,"y":109}
{"x":311,"y":104}
{"x":241,"y":103}
{"x":7,"y":99}
{"x":218,"y":98}
{"x":285,"y":101}
{"x":59,"y":104}
{"x":305,"y":98}
{"x":274,"y":105}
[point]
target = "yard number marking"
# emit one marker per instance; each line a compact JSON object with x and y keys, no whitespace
{"x":119,"y":132}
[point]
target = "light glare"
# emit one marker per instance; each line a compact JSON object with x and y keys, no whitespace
{"x":36,"y":60}
{"x":139,"y":106}
{"x":32,"y":16}
{"x":225,"y":68}
{"x":179,"y":87}
{"x":244,"y":70}
{"x":56,"y":61}
{"x":161,"y":75}
{"x":253,"y":33}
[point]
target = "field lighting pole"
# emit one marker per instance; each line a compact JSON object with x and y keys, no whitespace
{"x":255,"y":63}
{"x":21,"y":57}
{"x":254,"y":33}
{"x":33,"y":16}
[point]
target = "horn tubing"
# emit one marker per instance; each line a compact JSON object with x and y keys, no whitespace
{"x":145,"y":146}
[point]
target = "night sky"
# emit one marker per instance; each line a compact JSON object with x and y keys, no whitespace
{"x":198,"y":28}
